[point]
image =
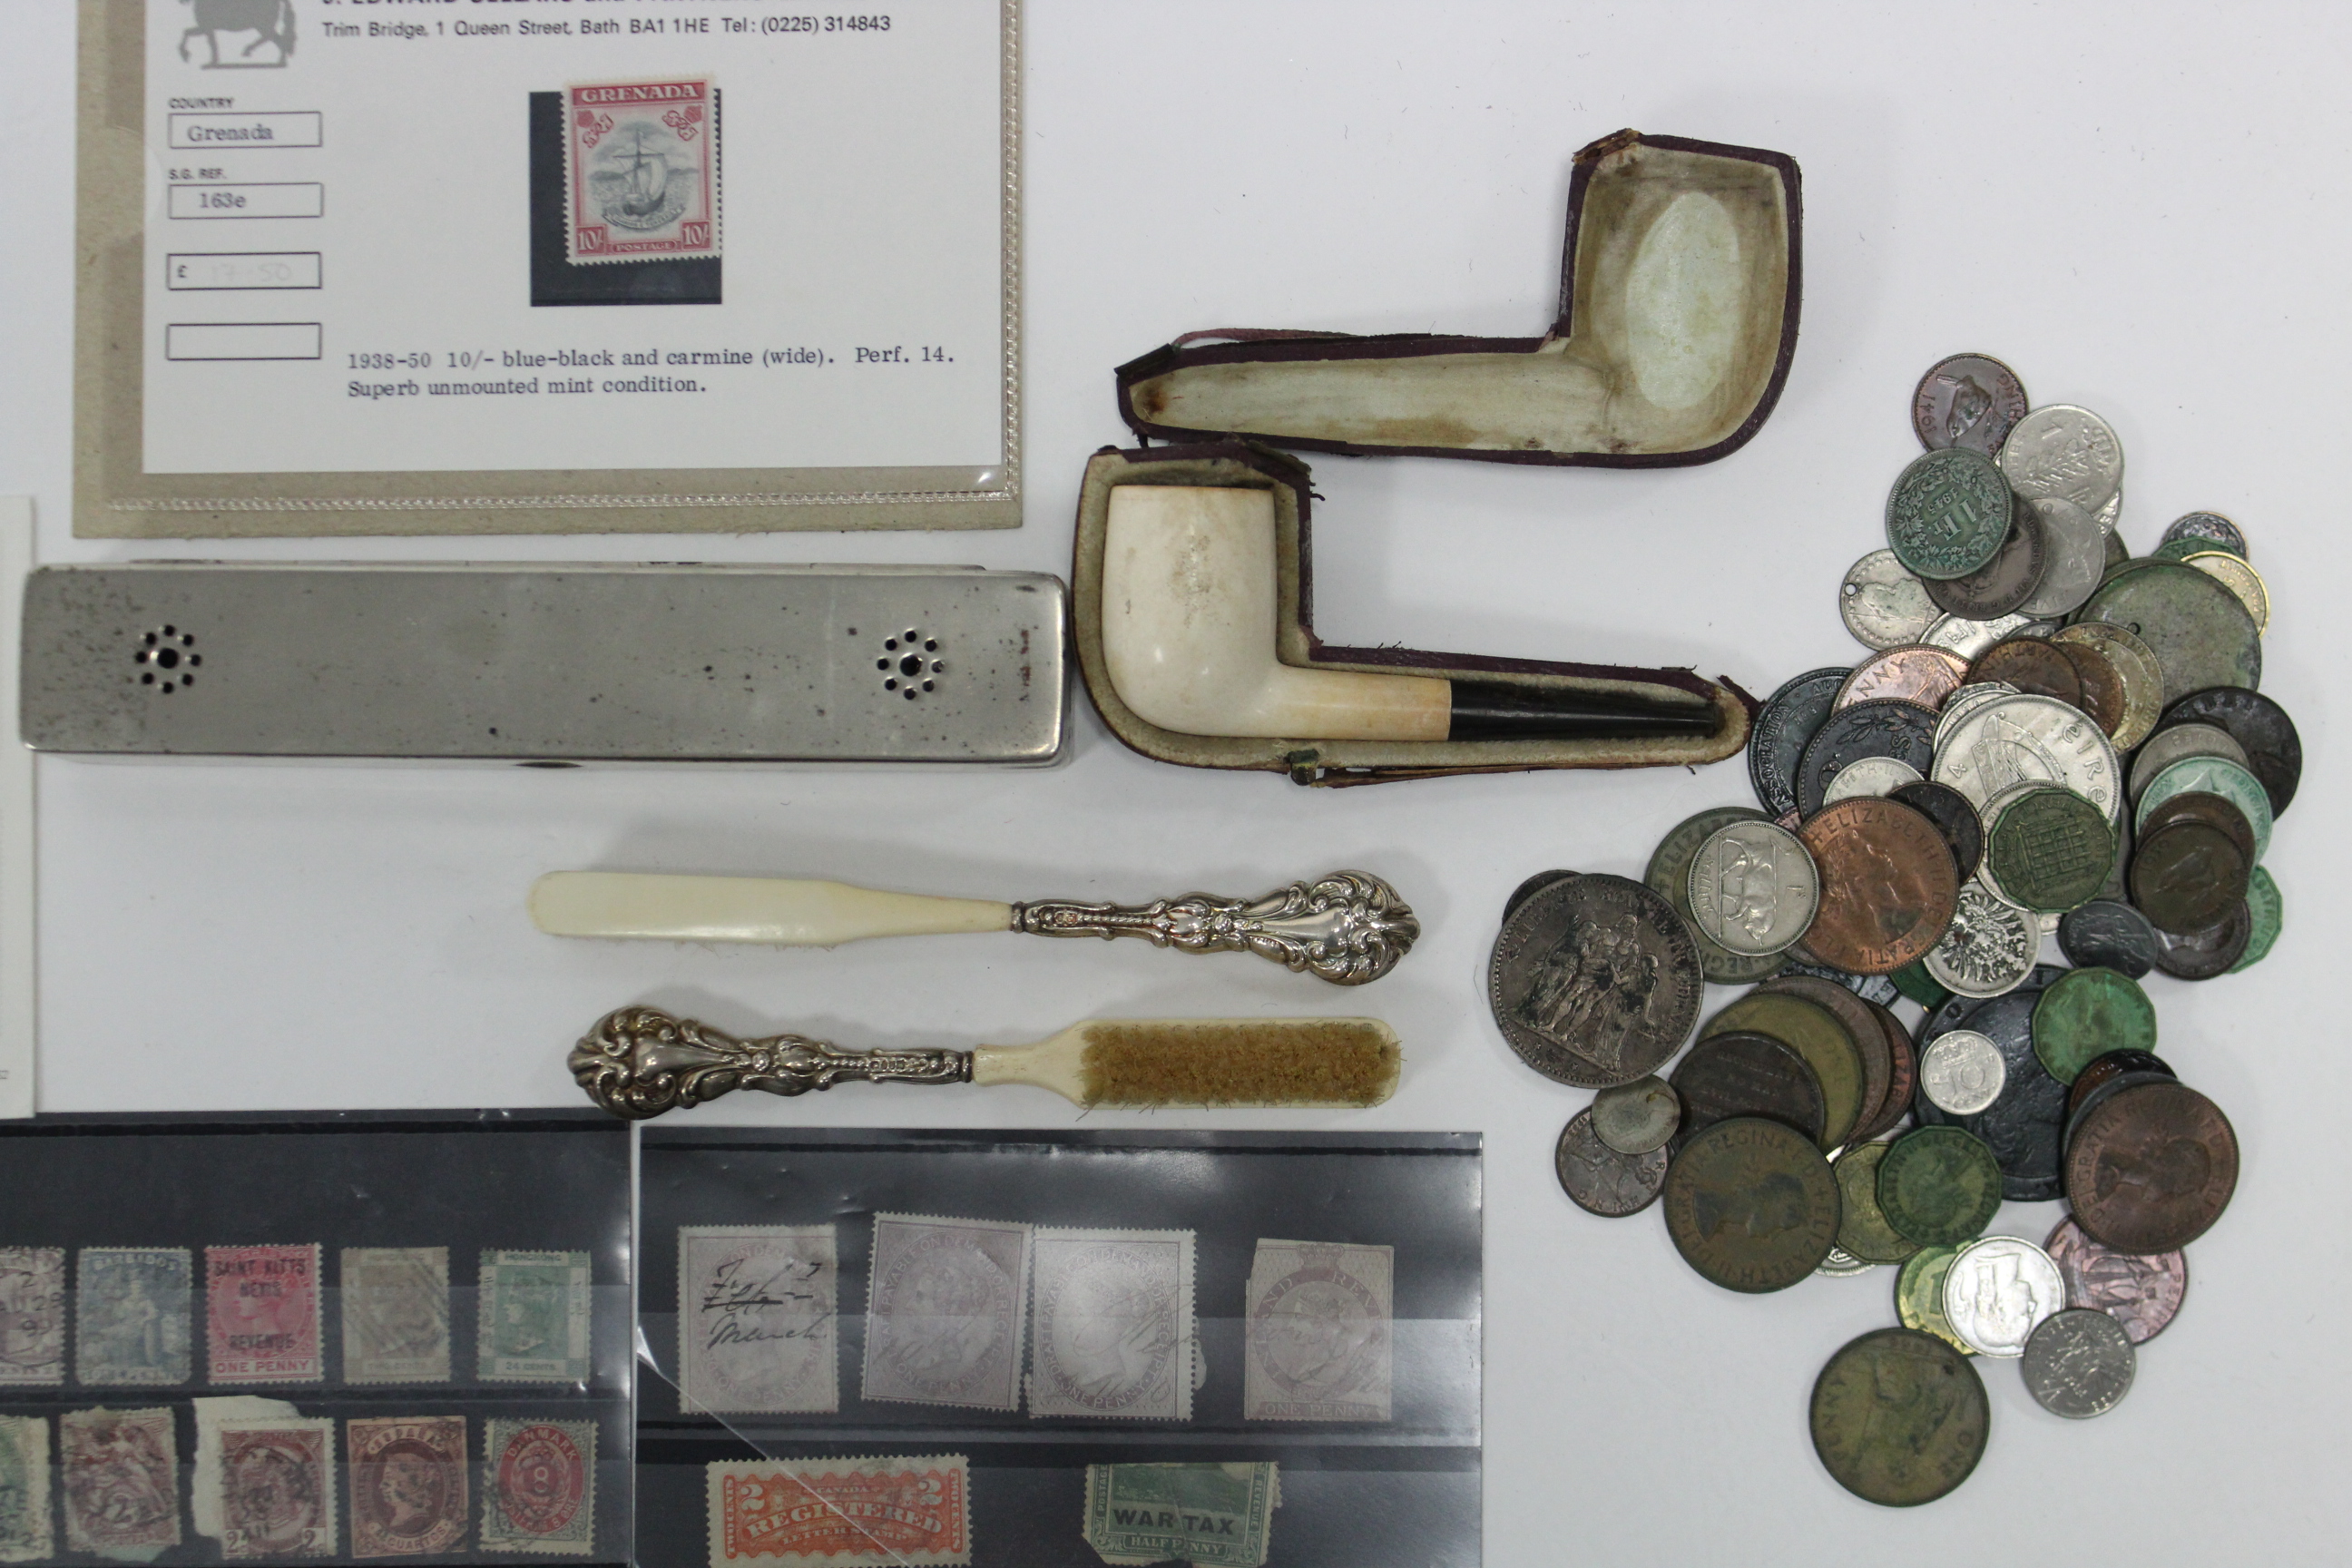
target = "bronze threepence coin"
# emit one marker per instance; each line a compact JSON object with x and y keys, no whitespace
{"x":2026,"y":1125}
{"x":1595,"y":980}
{"x":1913,"y":981}
{"x":1966,"y":400}
{"x":2002,"y":585}
{"x":2143,"y":1293}
{"x":2274,"y":750}
{"x":2202,"y":954}
{"x":1939,"y":1186}
{"x":1741,"y":1074}
{"x":1753,"y":888}
{"x":2210,"y":527}
{"x":1637,"y":1116}
{"x":2106,"y":1070}
{"x":1669,"y":875}
{"x":1899,"y":1417}
{"x":2174,"y":741}
{"x":2151,"y":1169}
{"x":1862,"y":1231}
{"x":1998,"y":1291}
{"x":2213,"y":810}
{"x":1912,"y":673}
{"x":1883,"y":727}
{"x":1948,"y":514}
{"x":2079,"y":1365}
{"x":1853,"y":1015}
{"x":2135,"y":666}
{"x":2106,"y":934}
{"x":1751,"y":1205}
{"x":2059,"y":449}
{"x":1919,"y":1295}
{"x":2188,"y":876}
{"x":2104,"y":698}
{"x":1988,"y":947}
{"x":1784,"y":725}
{"x":2052,"y":849}
{"x":1600,"y":1179}
{"x":1889,"y":886}
{"x":1903,"y":1077}
{"x":1883,"y":605}
{"x":1955,"y":819}
{"x":2266,"y":910}
{"x":1814,"y":1034}
{"x":2087,"y":1013}
{"x":2076,"y":557}
{"x":1961,"y":1073}
{"x":2032,"y":665}
{"x":2199,"y":633}
{"x":1533,"y":885}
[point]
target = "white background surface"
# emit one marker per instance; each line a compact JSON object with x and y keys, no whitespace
{"x":2139,"y":207}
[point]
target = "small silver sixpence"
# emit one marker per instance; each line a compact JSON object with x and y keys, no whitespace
{"x":1961,"y":1073}
{"x":1753,"y":887}
{"x":1885,"y":605}
{"x":1637,"y":1116}
{"x":2079,"y":1364}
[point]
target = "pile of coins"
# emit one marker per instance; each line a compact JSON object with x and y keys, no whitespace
{"x":2050,"y":738}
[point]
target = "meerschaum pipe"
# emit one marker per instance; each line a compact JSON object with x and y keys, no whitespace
{"x":1188,"y":632}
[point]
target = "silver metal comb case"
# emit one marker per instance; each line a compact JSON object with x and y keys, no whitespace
{"x":547,"y":663}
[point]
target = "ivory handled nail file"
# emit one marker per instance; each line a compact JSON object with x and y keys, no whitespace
{"x":1349,"y":927}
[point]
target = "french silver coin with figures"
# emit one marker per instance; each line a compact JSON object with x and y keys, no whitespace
{"x":1595,"y":980}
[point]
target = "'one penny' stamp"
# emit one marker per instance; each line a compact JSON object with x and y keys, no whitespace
{"x":844,"y":1513}
{"x":756,"y":1315}
{"x":32,"y":1317}
{"x":1320,"y":1330}
{"x":278,"y":1488}
{"x":408,"y":1485}
{"x":641,"y":165}
{"x":945,"y":1302}
{"x":122,"y":1482}
{"x":27,"y":1533}
{"x":395,"y":1314}
{"x":132,"y":1323}
{"x":1211,"y":1515}
{"x":263,"y":1314}
{"x":539,"y":1487}
{"x":1111,"y":1328}
{"x":535,"y":1313}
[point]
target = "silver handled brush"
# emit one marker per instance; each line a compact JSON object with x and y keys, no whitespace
{"x":1346,"y":928}
{"x":640,"y":1061}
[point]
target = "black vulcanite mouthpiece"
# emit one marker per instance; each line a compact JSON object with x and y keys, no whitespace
{"x":1515,"y":713}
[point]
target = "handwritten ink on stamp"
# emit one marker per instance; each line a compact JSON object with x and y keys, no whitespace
{"x":121,"y":1474}
{"x":642,"y":170}
{"x":27,"y":1532}
{"x":757,"y":1318}
{"x":408,"y":1485}
{"x":32,"y":1316}
{"x":541,"y":1487}
{"x":131,"y":1325}
{"x":263,"y":1314}
{"x":895,"y":1513}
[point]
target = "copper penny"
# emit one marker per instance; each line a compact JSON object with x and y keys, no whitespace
{"x":1912,"y":673}
{"x":1889,"y":885}
{"x":2188,"y":877}
{"x":2109,"y":1067}
{"x":2151,"y":1169}
{"x":2003,"y":582}
{"x":1902,"y":1077}
{"x":2034,"y":665}
{"x":2142,"y":1293}
{"x":2104,"y":698}
{"x":2213,"y":810}
{"x":1746,"y":1074}
{"x":1869,"y":1039}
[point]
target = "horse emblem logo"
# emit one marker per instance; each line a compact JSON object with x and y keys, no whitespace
{"x":270,"y":22}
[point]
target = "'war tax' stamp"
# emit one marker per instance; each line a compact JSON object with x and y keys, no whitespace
{"x":32,"y":1318}
{"x":278,"y":1489}
{"x":122,"y":1482}
{"x":395,"y":1314}
{"x":641,"y":169}
{"x":1210,"y":1515}
{"x":535,"y":1313}
{"x":844,"y":1513}
{"x":132,"y":1323}
{"x":1319,"y":1333}
{"x":945,"y":1302}
{"x":27,"y":1532}
{"x":539,"y":1487}
{"x":262,"y":1314}
{"x":756,"y":1319}
{"x":408,"y":1485}
{"x":1111,"y":1330}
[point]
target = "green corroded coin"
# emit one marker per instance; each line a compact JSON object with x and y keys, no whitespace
{"x":2269,"y":912}
{"x":1913,"y":981}
{"x":2182,"y":549}
{"x":1949,"y":513}
{"x":2199,"y":633}
{"x":1919,"y":1295}
{"x":1669,"y":876}
{"x":1939,"y":1185}
{"x":1862,"y":1230}
{"x":2212,"y":775}
{"x":2052,"y":850}
{"x":1899,"y":1417}
{"x":1813,"y":1033}
{"x":2085,"y":1013}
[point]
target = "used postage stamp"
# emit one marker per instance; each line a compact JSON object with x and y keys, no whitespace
{"x":263,"y":1317}
{"x":395,"y":1314}
{"x":27,"y":1533}
{"x":1212,"y":1515}
{"x":278,"y":1488}
{"x":945,"y":1302}
{"x":122,"y":1482}
{"x":897,"y":1512}
{"x":641,"y":167}
{"x":131,"y":1325}
{"x":1111,"y":1328}
{"x":32,"y":1316}
{"x":539,"y":1487}
{"x":408,"y":1485}
{"x":756,"y":1315}
{"x":1318,"y":1333}
{"x":535,"y":1312}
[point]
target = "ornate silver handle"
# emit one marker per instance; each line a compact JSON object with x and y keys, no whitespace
{"x":1346,"y":928}
{"x":641,"y":1061}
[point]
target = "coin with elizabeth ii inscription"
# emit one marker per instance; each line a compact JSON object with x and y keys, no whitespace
{"x":1889,"y":885}
{"x":1751,"y":1205}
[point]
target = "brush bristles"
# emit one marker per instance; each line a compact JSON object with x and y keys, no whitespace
{"x":1336,"y":1061}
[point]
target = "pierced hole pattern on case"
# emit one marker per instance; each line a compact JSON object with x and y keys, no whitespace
{"x":910,"y":663}
{"x":165,"y":659}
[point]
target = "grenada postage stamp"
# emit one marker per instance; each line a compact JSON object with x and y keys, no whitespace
{"x":1111,"y":1327}
{"x":395,"y":1314}
{"x":122,"y":1482}
{"x":131,"y":1325}
{"x":895,"y":1512}
{"x":1211,"y":1515}
{"x":32,"y":1316}
{"x":278,"y":1489}
{"x":27,"y":1532}
{"x":262,"y":1314}
{"x":535,"y":1312}
{"x":408,"y":1484}
{"x":756,"y":1312}
{"x":946,"y":1299}
{"x":641,"y":169}
{"x":539,"y":1487}
{"x":1318,"y":1333}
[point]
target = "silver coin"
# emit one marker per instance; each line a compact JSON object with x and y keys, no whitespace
{"x":1753,"y":887}
{"x":1970,"y":639}
{"x":2109,"y":514}
{"x":1967,"y":700}
{"x":2209,"y":525}
{"x":2167,"y":747}
{"x":1841,"y":1265}
{"x":1598,"y":1179}
{"x":1989,"y":949}
{"x":2079,"y":1364}
{"x":1962,"y":1073}
{"x":2029,"y":737}
{"x":1869,"y":775}
{"x":1998,"y":1291}
{"x":2064,"y":451}
{"x":1637,"y":1116}
{"x":2073,"y":559}
{"x":1885,"y":605}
